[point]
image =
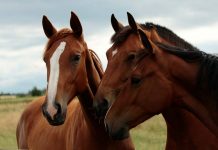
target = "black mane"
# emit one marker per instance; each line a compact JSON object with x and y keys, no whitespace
{"x":163,"y":32}
{"x":169,"y":35}
{"x":186,"y":54}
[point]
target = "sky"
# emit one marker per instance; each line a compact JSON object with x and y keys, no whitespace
{"x":22,"y":39}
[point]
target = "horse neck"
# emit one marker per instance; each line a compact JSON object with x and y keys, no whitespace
{"x":184,"y":77}
{"x":203,"y":96}
{"x":86,"y":100}
{"x":185,"y":131}
{"x":86,"y":97}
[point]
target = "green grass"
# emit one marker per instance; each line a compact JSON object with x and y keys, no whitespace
{"x":16,"y":100}
{"x":150,"y":135}
{"x":10,"y":111}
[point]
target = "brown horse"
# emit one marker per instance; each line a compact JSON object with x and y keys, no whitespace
{"x":167,"y":77}
{"x":72,"y":70}
{"x":184,"y":130}
{"x":124,"y":53}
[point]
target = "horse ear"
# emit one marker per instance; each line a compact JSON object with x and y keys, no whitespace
{"x":132,"y":22}
{"x":115,"y":24}
{"x":48,"y":28}
{"x":75,"y":25}
{"x":146,"y":43}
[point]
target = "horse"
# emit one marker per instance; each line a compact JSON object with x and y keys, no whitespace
{"x":184,"y":130}
{"x":123,"y":55}
{"x":167,"y":77}
{"x":69,"y":122}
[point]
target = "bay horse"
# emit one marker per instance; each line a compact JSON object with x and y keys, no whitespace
{"x":72,"y":70}
{"x":167,"y":77}
{"x":123,"y":55}
{"x":184,"y":130}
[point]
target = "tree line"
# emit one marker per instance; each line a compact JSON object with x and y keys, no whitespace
{"x":33,"y":92}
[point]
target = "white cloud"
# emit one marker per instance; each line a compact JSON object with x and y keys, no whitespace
{"x":22,"y":39}
{"x":19,"y":67}
{"x":21,"y":57}
{"x":201,"y":34}
{"x":100,"y":43}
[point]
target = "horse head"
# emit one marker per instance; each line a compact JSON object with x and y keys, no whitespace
{"x":64,"y":57}
{"x":167,"y":77}
{"x":122,"y":57}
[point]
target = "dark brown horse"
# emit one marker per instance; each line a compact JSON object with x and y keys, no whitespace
{"x":184,"y":130}
{"x":72,"y":70}
{"x":165,"y":79}
{"x":123,"y":55}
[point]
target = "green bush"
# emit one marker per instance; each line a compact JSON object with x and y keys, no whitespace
{"x":35,"y":92}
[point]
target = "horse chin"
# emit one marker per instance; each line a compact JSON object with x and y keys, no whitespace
{"x":58,"y":120}
{"x":120,"y":134}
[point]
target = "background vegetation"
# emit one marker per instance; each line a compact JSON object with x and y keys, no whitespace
{"x":149,"y":135}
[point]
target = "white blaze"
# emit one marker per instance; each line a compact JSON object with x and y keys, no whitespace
{"x":54,"y":76}
{"x":114,"y":52}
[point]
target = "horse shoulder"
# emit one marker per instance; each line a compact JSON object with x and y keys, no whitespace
{"x":25,"y":122}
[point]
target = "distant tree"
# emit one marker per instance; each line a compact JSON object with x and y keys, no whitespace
{"x":2,"y":93}
{"x":35,"y":92}
{"x":21,"y":94}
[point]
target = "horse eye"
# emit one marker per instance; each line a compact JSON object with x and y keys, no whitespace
{"x":131,"y":57}
{"x":135,"y":80}
{"x":76,"y":58}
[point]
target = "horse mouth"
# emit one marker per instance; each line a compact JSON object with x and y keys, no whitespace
{"x":58,"y":119}
{"x":120,"y":134}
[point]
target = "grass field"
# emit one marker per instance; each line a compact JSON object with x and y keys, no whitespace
{"x":149,"y":135}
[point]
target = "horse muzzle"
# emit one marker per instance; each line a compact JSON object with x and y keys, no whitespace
{"x":117,"y":133}
{"x":58,"y":118}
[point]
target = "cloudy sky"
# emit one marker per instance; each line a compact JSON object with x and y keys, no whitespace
{"x":22,"y":39}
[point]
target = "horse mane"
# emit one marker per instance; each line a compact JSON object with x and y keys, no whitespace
{"x":186,"y":54}
{"x":169,"y":35}
{"x":207,"y":77}
{"x":97,"y":63}
{"x":209,"y":72}
{"x":59,"y":35}
{"x":163,"y":32}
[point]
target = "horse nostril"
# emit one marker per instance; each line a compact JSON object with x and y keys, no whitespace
{"x":58,"y":107}
{"x":59,"y":117}
{"x":104,"y":104}
{"x":45,"y":112}
{"x":103,"y":107}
